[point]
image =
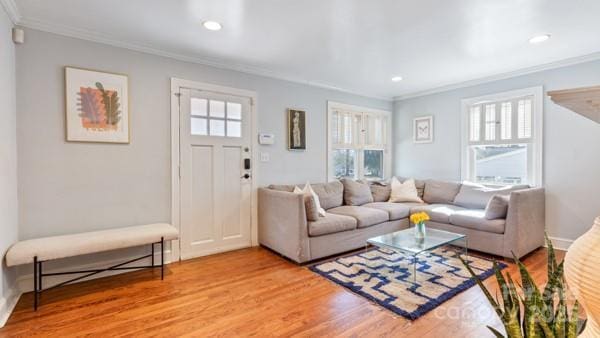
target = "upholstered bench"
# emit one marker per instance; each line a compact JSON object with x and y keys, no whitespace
{"x":40,"y":250}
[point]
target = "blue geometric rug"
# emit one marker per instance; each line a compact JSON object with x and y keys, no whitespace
{"x":386,"y":278}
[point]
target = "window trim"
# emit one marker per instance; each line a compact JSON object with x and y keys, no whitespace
{"x":387,"y":151}
{"x":536,"y":171}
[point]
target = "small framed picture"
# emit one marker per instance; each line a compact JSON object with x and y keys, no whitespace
{"x":296,"y":129}
{"x":423,"y":129}
{"x":97,"y":106}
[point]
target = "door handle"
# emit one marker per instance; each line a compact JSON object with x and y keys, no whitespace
{"x":246,"y":176}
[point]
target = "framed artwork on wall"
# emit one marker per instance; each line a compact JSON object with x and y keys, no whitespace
{"x":97,"y":106}
{"x":296,"y":129}
{"x":423,"y":129}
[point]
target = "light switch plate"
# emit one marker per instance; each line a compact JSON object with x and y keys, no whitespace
{"x":264,"y":157}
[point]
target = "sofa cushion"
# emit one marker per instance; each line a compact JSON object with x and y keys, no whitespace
{"x":437,"y":212}
{"x":310,"y":203}
{"x":364,"y":216}
{"x":497,"y":207}
{"x":396,"y":211}
{"x":440,"y":191}
{"x":477,"y":196}
{"x":380,"y":191}
{"x":404,"y":192}
{"x":330,"y":224}
{"x":356,"y":193}
{"x":330,"y":194}
{"x":475,"y":219}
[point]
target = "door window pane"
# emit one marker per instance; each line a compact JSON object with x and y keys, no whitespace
{"x":373,"y":164}
{"x":217,"y":128}
{"x":198,"y":126}
{"x":343,"y":162}
{"x":217,"y":108}
{"x":504,"y":164}
{"x":234,"y":128}
{"x":234,"y":111}
{"x":199,"y":106}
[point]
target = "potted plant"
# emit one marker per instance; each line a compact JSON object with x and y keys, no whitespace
{"x":533,"y":313}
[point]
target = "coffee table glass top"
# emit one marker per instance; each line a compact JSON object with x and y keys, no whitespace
{"x":405,"y":241}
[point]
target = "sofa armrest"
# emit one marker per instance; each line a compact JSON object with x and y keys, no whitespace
{"x":282,"y":224}
{"x":525,"y":222}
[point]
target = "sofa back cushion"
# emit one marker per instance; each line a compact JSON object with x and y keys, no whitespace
{"x":477,"y":196}
{"x":282,"y":187}
{"x":442,"y":192}
{"x":356,"y":193}
{"x":380,"y":190}
{"x":331,"y":195}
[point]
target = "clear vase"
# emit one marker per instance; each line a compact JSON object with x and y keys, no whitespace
{"x":420,"y":230}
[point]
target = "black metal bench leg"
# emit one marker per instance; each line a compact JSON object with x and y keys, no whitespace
{"x":35,"y":283}
{"x":162,"y":258}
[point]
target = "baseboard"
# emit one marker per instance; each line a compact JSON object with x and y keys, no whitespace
{"x":7,"y":304}
{"x":25,"y":282}
{"x":561,"y":243}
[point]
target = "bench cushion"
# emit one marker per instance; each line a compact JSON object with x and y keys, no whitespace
{"x":56,"y":247}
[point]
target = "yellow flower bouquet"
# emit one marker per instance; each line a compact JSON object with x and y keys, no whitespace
{"x":419,"y":220}
{"x":419,"y":217}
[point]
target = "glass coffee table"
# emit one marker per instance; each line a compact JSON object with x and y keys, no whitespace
{"x":404,"y":241}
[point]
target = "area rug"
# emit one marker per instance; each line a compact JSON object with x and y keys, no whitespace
{"x":386,"y":278}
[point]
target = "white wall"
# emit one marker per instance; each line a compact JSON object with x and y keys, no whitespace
{"x":571,"y":144}
{"x":74,"y":187}
{"x":8,"y":161}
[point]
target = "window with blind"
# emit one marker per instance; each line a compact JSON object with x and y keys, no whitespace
{"x":502,"y":145}
{"x":358,"y":142}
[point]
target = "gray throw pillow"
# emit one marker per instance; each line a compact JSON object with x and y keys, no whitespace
{"x":312,"y":211}
{"x":380,"y":190}
{"x":356,"y":193}
{"x":442,"y":192}
{"x":497,"y":207}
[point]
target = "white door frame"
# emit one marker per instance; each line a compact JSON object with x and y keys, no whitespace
{"x":176,"y":84}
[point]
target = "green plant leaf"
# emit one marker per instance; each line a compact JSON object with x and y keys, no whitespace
{"x":496,"y":332}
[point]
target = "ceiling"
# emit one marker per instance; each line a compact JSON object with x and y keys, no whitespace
{"x":351,"y":45}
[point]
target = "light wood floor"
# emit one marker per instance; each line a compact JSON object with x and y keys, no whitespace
{"x":250,"y":292}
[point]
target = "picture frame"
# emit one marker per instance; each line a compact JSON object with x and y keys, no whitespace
{"x":296,"y":129}
{"x":423,"y":129}
{"x":96,"y":106}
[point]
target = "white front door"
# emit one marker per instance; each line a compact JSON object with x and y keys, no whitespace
{"x":215,"y":170}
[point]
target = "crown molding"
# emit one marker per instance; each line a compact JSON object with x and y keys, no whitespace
{"x":83,"y":34}
{"x":11,"y":9}
{"x":502,"y":76}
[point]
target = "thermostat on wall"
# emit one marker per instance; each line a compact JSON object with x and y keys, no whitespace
{"x":264,"y":138}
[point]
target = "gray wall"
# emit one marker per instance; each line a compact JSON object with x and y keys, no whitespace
{"x":8,"y":155}
{"x":74,"y":187}
{"x":571,"y":144}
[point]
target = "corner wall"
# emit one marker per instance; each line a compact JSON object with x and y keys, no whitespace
{"x":8,"y":165}
{"x":571,"y":145}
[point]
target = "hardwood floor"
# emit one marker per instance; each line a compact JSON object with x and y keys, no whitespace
{"x":250,"y":292}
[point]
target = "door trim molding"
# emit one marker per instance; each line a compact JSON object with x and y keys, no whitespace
{"x":176,"y":84}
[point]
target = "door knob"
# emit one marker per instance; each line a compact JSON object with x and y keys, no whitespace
{"x":246,"y":176}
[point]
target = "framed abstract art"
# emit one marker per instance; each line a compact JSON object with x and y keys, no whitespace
{"x":97,"y":106}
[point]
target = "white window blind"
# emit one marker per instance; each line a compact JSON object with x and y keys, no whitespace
{"x":505,"y":121}
{"x":359,"y":142}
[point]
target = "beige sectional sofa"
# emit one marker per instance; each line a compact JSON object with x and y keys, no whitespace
{"x":460,"y":208}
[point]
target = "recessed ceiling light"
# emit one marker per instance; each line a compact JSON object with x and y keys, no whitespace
{"x":539,"y":38}
{"x":397,"y":78}
{"x":212,"y":25}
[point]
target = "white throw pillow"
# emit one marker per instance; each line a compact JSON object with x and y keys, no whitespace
{"x":308,"y":190}
{"x":404,"y":192}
